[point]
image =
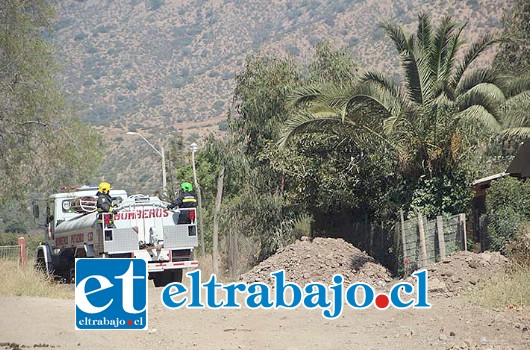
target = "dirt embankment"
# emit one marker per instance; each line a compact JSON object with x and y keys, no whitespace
{"x":463,"y":271}
{"x":318,"y":260}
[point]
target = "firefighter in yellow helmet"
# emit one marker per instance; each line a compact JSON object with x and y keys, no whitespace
{"x":104,"y":199}
{"x":104,"y":203}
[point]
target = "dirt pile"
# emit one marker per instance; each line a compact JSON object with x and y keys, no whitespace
{"x":318,"y":260}
{"x":462,"y":271}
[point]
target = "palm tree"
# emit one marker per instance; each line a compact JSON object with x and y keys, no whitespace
{"x":431,"y":119}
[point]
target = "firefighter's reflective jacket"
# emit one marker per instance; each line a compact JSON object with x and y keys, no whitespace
{"x":186,"y":200}
{"x":104,"y":205}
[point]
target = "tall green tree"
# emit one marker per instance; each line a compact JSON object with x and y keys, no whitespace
{"x":259,"y":109}
{"x":257,"y":196}
{"x":259,"y":99}
{"x":431,"y":121}
{"x":513,"y":57}
{"x":332,"y":65}
{"x":513,"y":60}
{"x":41,"y":144}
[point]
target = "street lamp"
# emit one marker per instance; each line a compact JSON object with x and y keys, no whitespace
{"x":194,"y":147}
{"x":161,"y":154}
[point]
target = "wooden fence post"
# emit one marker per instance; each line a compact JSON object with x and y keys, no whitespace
{"x":403,"y":241}
{"x":371,"y":239}
{"x":23,"y":255}
{"x":423,"y":244}
{"x":441,"y":238}
{"x":462,"y":224}
{"x":232,"y":252}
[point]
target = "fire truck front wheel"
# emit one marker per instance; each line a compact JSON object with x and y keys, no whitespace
{"x":162,"y":279}
{"x":40,"y":263}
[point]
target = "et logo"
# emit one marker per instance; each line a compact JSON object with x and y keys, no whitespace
{"x":110,"y":294}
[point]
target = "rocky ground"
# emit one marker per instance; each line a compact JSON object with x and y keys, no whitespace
{"x":463,"y":271}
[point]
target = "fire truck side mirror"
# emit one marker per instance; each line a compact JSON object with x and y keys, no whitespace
{"x":36,"y":212}
{"x":40,"y":221}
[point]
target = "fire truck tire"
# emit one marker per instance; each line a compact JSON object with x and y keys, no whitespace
{"x":162,"y":279}
{"x":177,"y":276}
{"x":40,"y":264}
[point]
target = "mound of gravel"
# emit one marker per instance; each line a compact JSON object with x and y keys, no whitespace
{"x":318,"y":260}
{"x":462,"y":271}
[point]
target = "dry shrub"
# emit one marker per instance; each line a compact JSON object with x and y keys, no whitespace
{"x":510,"y":289}
{"x":237,"y":259}
{"x":518,"y":250}
{"x":205,"y":265}
{"x":29,"y":282}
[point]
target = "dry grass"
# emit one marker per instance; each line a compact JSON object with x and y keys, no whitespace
{"x":518,"y":250}
{"x":28,"y":282}
{"x":509,"y":290}
{"x":513,"y":288}
{"x":205,"y":265}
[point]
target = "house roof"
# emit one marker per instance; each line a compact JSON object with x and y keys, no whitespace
{"x":486,"y":180}
{"x":520,"y":165}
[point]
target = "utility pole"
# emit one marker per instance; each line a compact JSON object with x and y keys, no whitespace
{"x":194,"y":148}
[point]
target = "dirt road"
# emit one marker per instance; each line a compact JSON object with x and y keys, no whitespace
{"x":450,"y":324}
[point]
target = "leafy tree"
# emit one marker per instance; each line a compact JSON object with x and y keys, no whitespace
{"x":508,"y":209}
{"x":513,"y":60}
{"x":41,"y":145}
{"x":514,"y":54}
{"x":231,"y":163}
{"x":260,"y":96}
{"x":429,"y":123}
{"x":259,"y":108}
{"x":15,"y":218}
{"x":281,"y":185}
{"x":332,"y":66}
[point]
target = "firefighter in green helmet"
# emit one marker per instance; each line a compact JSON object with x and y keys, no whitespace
{"x":185,"y":200}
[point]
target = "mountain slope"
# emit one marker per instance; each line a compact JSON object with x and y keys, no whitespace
{"x":158,"y":66}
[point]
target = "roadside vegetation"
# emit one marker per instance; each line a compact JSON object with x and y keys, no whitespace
{"x":512,"y":288}
{"x":43,"y":144}
{"x":17,"y":281}
{"x":504,"y":290}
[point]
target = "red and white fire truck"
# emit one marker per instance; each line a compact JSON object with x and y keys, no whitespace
{"x":139,"y":227}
